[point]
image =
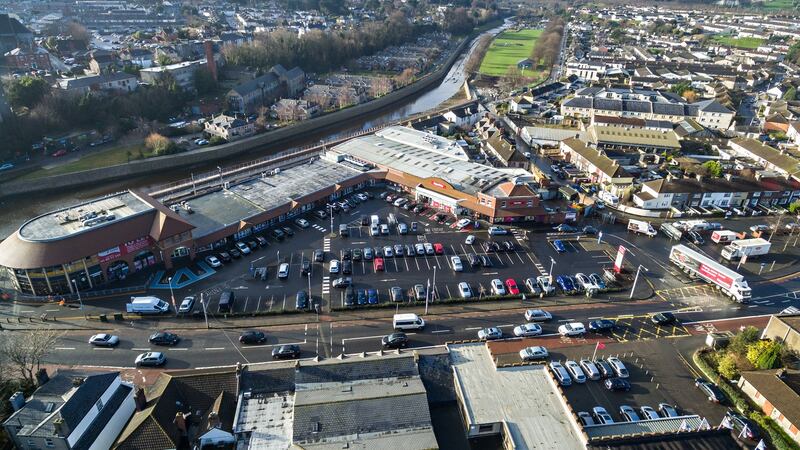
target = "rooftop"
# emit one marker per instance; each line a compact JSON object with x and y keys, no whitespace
{"x":635,"y":137}
{"x":215,"y":210}
{"x":70,"y":221}
{"x":782,"y":392}
{"x":523,"y":397}
{"x":663,"y":425}
{"x":269,"y":419}
{"x":424,"y":141}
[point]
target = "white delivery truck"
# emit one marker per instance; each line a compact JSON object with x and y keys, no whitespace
{"x":750,"y":247}
{"x":697,"y":265}
{"x":724,"y":236}
{"x":147,"y":305}
{"x":642,"y":227}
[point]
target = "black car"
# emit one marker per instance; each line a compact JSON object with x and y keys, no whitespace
{"x":262,"y":241}
{"x":695,"y":237}
{"x":319,"y":255}
{"x":346,"y":255}
{"x":605,"y":369}
{"x":485,"y":261}
{"x":364,"y":221}
{"x":278,"y":234}
{"x":288,"y":231}
{"x":305,"y":267}
{"x":508,"y":246}
{"x":617,"y":384}
{"x":224,"y":257}
{"x":235,"y":253}
{"x":664,"y":318}
{"x":361,"y":297}
{"x":710,"y":389}
{"x":301,"y":300}
{"x":253,"y":245}
{"x":358,"y":254}
{"x":395,"y":340}
{"x":744,"y":427}
{"x":601,"y":326}
{"x":164,"y":338}
{"x":349,"y":297}
{"x":253,"y":337}
{"x":347,"y":267}
{"x":588,"y":229}
{"x":286,"y":352}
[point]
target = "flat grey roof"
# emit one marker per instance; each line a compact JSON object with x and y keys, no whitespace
{"x":269,"y":419}
{"x":68,"y":221}
{"x":359,"y":390}
{"x":242,"y":201}
{"x":662,"y":425}
{"x":401,"y":150}
{"x":523,"y":397}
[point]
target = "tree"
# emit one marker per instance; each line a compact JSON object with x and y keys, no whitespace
{"x":405,"y":77}
{"x":160,"y":145}
{"x":790,"y":94}
{"x":216,"y":140}
{"x":765,"y":354}
{"x":204,"y":82}
{"x":713,"y":168}
{"x":727,"y":366}
{"x":24,"y":352}
{"x":163,"y":60}
{"x":743,"y":339}
{"x":26,"y":91}
{"x":794,"y":207}
{"x":262,"y":121}
{"x":79,"y":33}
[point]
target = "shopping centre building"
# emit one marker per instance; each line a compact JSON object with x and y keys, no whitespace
{"x":99,"y":242}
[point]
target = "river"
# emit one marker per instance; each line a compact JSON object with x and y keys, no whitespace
{"x":16,"y":211}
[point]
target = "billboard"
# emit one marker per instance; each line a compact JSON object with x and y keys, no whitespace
{"x":618,"y":260}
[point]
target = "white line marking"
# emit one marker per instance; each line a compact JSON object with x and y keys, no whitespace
{"x":215,"y":348}
{"x":142,"y":349}
{"x":65,"y":348}
{"x":441,"y":331}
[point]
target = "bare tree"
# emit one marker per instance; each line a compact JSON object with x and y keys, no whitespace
{"x":24,"y":351}
{"x":262,"y":121}
{"x":380,"y":86}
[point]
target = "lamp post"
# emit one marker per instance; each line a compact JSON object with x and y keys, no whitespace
{"x":75,"y":283}
{"x":221,"y":180}
{"x":203,"y":303}
{"x":636,"y":279}
{"x":172,"y":294}
{"x":552,"y":264}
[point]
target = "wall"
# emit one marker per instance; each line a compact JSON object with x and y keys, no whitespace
{"x":207,"y":155}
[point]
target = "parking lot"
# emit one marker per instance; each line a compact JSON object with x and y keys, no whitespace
{"x":528,"y":258}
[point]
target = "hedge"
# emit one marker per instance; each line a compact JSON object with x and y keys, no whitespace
{"x":778,"y":438}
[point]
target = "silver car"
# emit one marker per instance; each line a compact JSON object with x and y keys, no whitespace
{"x":489,"y":334}
{"x":527,"y":330}
{"x":575,"y":371}
{"x":590,"y":369}
{"x":533,"y":353}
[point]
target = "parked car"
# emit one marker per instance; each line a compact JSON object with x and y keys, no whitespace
{"x":663,"y":318}
{"x":497,"y":287}
{"x":489,"y":334}
{"x":186,"y":304}
{"x":334,"y":266}
{"x":301,"y":300}
{"x":598,"y":281}
{"x":225,"y":257}
{"x":618,"y":367}
{"x":601,"y":325}
{"x":290,"y":351}
{"x":470,"y":239}
{"x":243,"y":248}
{"x":585,"y":418}
{"x":455,"y":261}
{"x":559,"y":246}
{"x":648,"y":413}
{"x":372,"y":296}
{"x":527,"y":330}
{"x":319,"y":255}
{"x":560,"y":373}
{"x":667,"y":410}
{"x":464,"y":290}
{"x":710,"y":389}
{"x":212,"y":261}
{"x":342,"y":282}
{"x":283,"y":271}
{"x":533,"y":286}
{"x":419,"y":292}
{"x":605,"y":368}
{"x":104,"y":340}
{"x":253,"y":337}
{"x":575,"y":371}
{"x":617,"y":384}
{"x":565,"y":228}
{"x":590,"y":369}
{"x":566,"y":284}
{"x":601,"y":415}
{"x":533,"y":353}
{"x":497,"y":231}
{"x":396,"y":294}
{"x":572,"y":329}
{"x":628,"y":413}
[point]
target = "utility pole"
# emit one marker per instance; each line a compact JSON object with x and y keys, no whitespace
{"x":205,"y":314}
{"x":78,"y":292}
{"x":172,"y":295}
{"x":552,"y":264}
{"x":636,"y":279}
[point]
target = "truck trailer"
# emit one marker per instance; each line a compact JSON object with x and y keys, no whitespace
{"x":697,"y":265}
{"x":671,"y":231}
{"x":642,"y":227}
{"x":750,"y":247}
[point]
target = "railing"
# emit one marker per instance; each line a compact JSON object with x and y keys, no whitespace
{"x":88,"y":295}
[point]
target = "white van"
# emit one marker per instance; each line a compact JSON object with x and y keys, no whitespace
{"x":147,"y":305}
{"x":374,"y":220}
{"x":408,"y":321}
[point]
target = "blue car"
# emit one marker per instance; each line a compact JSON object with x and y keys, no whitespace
{"x":598,"y":280}
{"x":361,"y":297}
{"x":372,"y":297}
{"x":559,"y":246}
{"x":565,"y":283}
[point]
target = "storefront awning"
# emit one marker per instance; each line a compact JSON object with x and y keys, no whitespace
{"x":441,"y":198}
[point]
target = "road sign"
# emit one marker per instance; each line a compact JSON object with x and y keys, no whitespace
{"x":618,"y":260}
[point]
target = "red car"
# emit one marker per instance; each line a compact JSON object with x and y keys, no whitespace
{"x":512,"y":286}
{"x":438,"y":249}
{"x":61,"y":152}
{"x":377,"y":263}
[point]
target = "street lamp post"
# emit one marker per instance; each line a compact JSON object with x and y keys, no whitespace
{"x":78,"y":292}
{"x":552,"y":264}
{"x":172,"y":294}
{"x":203,"y":303}
{"x":636,"y":279}
{"x":330,"y":213}
{"x":777,"y":224}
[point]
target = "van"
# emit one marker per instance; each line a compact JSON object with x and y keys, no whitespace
{"x":344,"y":231}
{"x":226,"y":301}
{"x":374,"y":220}
{"x":408,"y":321}
{"x":147,"y":305}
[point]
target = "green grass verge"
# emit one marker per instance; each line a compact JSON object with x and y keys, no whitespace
{"x":779,"y":5}
{"x":104,"y":158}
{"x":745,"y":42}
{"x":507,"y":49}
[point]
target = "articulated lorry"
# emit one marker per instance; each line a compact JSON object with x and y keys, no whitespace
{"x":750,"y":247}
{"x":697,"y":265}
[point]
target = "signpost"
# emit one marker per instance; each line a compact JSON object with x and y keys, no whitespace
{"x":618,"y":260}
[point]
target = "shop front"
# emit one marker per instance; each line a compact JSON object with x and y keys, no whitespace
{"x":440,"y":202}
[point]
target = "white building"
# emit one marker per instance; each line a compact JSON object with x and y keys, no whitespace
{"x":183,"y":73}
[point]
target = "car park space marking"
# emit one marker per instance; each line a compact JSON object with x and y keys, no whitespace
{"x":66,"y":348}
{"x":141,"y":349}
{"x":178,"y":349}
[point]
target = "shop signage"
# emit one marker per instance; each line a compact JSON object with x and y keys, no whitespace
{"x":439,"y":184}
{"x":124,"y":249}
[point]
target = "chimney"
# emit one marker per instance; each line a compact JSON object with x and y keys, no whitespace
{"x":211,"y":64}
{"x":781,"y":373}
{"x":698,"y":176}
{"x":17,"y":400}
{"x":180,"y":422}
{"x":140,"y":399}
{"x":213,"y":420}
{"x":62,"y":429}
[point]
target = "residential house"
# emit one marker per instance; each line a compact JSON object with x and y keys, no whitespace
{"x":770,"y":157}
{"x":103,"y":61}
{"x":117,"y":82}
{"x":793,"y":133}
{"x":504,"y":151}
{"x":5,"y":109}
{"x":229,"y":128}
{"x":293,"y":81}
{"x":289,"y":109}
{"x":73,"y":410}
{"x":140,"y":57}
{"x":520,"y":104}
{"x":13,"y":34}
{"x":182,"y":73}
{"x":248,"y":97}
{"x":642,"y":140}
{"x":599,"y":167}
{"x":730,"y":192}
{"x":465,"y":116}
{"x":777,"y":393}
{"x":28,"y":58}
{"x":784,"y":328}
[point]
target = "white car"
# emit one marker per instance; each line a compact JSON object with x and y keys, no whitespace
{"x":585,"y":282}
{"x":464,"y":290}
{"x":533,"y":353}
{"x":388,"y":251}
{"x":575,"y":371}
{"x":334,"y":266}
{"x":104,"y":340}
{"x":497,"y":231}
{"x":618,"y":367}
{"x":283,"y":270}
{"x":420,"y":248}
{"x":362,"y":196}
{"x":384,"y":229}
{"x":429,"y":249}
{"x":590,"y":369}
{"x":498,"y":288}
{"x":462,"y":223}
{"x":151,"y":359}
{"x":212,"y":261}
{"x":572,"y":329}
{"x":546,"y":285}
{"x":400,"y":201}
{"x":470,"y":239}
{"x":374,"y":230}
{"x":527,"y":330}
{"x":243,"y":248}
{"x":456,"y":262}
{"x":186,"y":305}
{"x":489,"y":334}
{"x":537,"y":315}
{"x":302,"y":223}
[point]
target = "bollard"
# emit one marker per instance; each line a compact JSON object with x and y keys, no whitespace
{"x":658,"y":385}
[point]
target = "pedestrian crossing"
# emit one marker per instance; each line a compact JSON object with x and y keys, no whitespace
{"x":319,"y":228}
{"x":326,"y":244}
{"x":540,"y":268}
{"x":519,"y":235}
{"x":326,"y":285}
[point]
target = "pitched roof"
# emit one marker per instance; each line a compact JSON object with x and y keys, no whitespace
{"x":9,"y":25}
{"x":337,"y":371}
{"x":783,"y":393}
{"x":772,"y":155}
{"x":597,"y":158}
{"x":101,"y":420}
{"x":256,"y":83}
{"x":85,"y":397}
{"x":512,"y":189}
{"x":712,"y":106}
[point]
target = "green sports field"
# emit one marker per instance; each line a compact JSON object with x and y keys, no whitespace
{"x":745,"y":42}
{"x":508,"y":48}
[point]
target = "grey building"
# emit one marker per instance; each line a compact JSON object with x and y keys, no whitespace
{"x":13,"y":34}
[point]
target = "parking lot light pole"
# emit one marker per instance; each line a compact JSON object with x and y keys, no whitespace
{"x":172,"y":294}
{"x":78,"y":292}
{"x":552,"y":264}
{"x":203,"y":304}
{"x":636,"y":279}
